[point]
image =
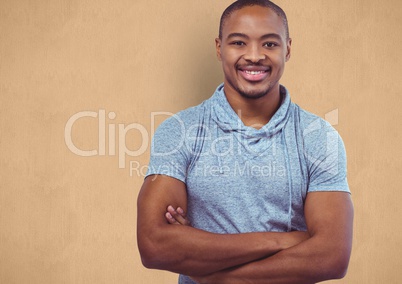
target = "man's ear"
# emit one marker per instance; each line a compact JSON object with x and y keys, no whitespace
{"x":288,"y":49}
{"x":218,"y":48}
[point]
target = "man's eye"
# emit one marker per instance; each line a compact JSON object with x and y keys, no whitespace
{"x":238,"y":43}
{"x":270,"y":44}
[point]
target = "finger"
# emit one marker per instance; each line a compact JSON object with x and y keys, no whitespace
{"x":170,"y":219}
{"x":181,"y":212}
{"x":177,"y":216}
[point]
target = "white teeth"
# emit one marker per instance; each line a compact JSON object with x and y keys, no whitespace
{"x":254,"y":72}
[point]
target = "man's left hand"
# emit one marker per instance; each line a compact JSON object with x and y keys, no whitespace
{"x":177,"y":216}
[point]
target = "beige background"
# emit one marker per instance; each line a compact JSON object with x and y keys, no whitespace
{"x":65,"y":218}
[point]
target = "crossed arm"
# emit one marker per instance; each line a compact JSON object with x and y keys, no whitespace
{"x":294,"y":257}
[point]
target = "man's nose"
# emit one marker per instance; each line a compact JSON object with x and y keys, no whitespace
{"x":254,"y":54}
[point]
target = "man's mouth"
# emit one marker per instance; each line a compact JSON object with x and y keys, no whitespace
{"x":254,"y":73}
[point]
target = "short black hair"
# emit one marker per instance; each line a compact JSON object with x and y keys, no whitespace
{"x":245,"y":3}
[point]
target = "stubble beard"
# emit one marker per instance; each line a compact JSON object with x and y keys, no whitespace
{"x":252,"y":94}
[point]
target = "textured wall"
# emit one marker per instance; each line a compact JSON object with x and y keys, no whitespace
{"x":68,"y":218}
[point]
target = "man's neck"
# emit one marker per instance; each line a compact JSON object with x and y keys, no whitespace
{"x":255,"y":112}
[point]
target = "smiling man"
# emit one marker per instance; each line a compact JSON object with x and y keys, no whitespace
{"x":262,"y":181}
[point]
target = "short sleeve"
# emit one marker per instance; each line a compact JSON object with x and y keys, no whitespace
{"x":168,"y":150}
{"x":326,"y":158}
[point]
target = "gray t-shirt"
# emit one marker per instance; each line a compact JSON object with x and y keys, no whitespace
{"x":241,"y":179}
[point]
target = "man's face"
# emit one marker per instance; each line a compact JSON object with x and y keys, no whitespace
{"x":253,"y":51}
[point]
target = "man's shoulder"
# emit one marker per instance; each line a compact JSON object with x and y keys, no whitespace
{"x":310,"y":122}
{"x":306,"y":117}
{"x":314,"y":131}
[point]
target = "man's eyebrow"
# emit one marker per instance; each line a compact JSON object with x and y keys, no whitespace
{"x":266,"y":36}
{"x":271,"y":35}
{"x":237,"y":35}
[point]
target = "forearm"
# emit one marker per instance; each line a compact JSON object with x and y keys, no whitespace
{"x":322,"y":257}
{"x":311,"y":261}
{"x":186,"y":250}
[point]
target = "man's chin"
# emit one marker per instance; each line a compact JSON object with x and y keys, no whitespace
{"x":253,"y":94}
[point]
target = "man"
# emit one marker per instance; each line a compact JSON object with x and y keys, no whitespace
{"x":262,"y":181}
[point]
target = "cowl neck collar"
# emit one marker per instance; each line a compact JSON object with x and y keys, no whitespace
{"x":228,"y":121}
